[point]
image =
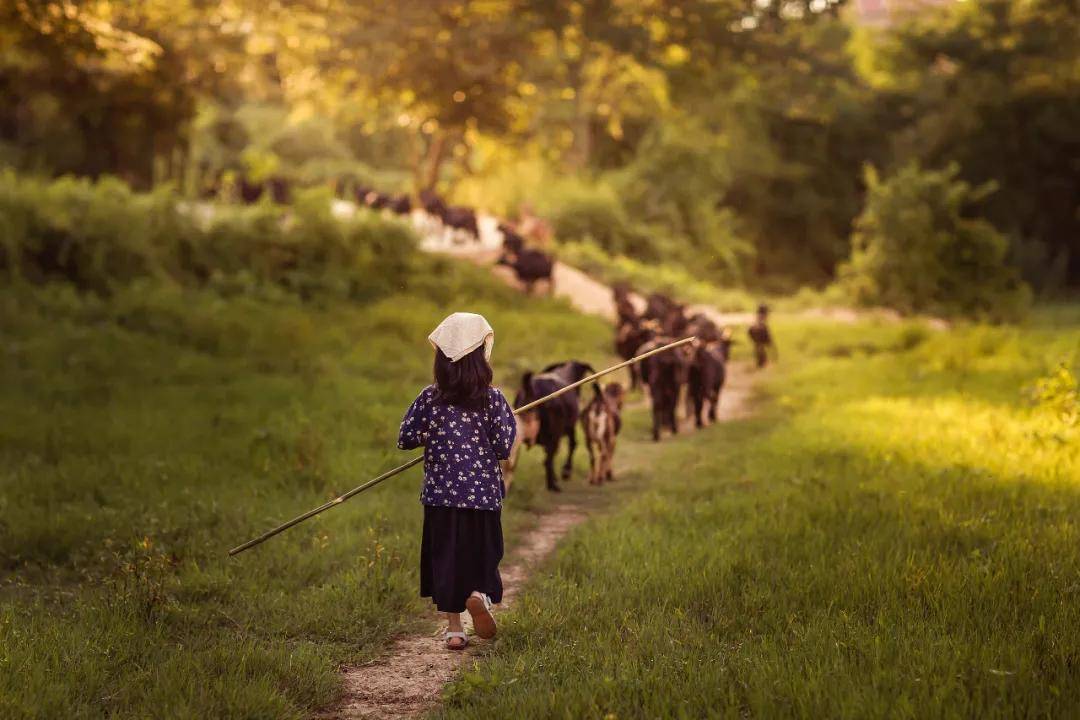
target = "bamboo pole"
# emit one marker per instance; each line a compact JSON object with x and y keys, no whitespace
{"x":416,"y":460}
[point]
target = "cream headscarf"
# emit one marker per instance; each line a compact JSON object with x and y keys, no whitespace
{"x":461,"y":333}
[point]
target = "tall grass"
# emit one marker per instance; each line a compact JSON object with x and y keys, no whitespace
{"x":100,"y":237}
{"x":144,"y":433}
{"x":895,"y":536}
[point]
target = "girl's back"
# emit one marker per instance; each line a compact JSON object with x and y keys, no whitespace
{"x":462,"y":448}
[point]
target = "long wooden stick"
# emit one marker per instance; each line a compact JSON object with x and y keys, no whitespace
{"x":416,"y":460}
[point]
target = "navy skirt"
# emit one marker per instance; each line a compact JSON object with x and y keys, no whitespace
{"x":459,"y":553}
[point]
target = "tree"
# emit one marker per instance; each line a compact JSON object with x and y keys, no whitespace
{"x":916,"y":250}
{"x":994,"y":86}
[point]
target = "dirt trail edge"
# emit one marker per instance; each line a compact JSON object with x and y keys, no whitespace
{"x":408,"y":679}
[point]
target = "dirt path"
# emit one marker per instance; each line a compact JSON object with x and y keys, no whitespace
{"x":408,"y":680}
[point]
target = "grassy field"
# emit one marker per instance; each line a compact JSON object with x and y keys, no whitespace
{"x":896,"y":534}
{"x":142,"y":437}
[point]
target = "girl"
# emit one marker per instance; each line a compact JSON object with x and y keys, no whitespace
{"x":466,"y":426}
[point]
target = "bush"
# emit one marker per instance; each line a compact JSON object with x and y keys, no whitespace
{"x":89,"y":234}
{"x":915,"y":250}
{"x":677,"y":183}
{"x":1058,"y":393}
{"x":101,"y":236}
{"x":593,"y":211}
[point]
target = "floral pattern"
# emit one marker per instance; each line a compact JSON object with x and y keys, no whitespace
{"x":462,"y":449}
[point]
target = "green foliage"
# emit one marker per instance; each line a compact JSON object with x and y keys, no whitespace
{"x":90,"y":234}
{"x":1059,"y":393}
{"x":101,"y":236}
{"x":993,"y":87}
{"x":675,"y":185}
{"x":896,"y":543}
{"x":915,"y":250}
{"x":594,"y":212}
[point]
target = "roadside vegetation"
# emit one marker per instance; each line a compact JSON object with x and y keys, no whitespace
{"x":895,"y":534}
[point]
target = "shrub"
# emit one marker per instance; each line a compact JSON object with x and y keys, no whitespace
{"x":1058,"y":393}
{"x":593,"y":211}
{"x":677,"y":182}
{"x":89,"y":234}
{"x":915,"y":250}
{"x":101,"y":236}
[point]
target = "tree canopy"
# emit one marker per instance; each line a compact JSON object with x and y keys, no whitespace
{"x":731,"y":133}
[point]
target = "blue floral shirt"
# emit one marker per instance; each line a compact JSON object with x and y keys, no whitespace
{"x":462,"y":449}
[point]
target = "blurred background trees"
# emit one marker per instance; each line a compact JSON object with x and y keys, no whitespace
{"x":728,"y":137}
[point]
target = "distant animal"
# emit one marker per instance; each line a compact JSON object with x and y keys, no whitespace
{"x":377,"y":200}
{"x":530,"y":267}
{"x":280,"y":190}
{"x":761,"y":337}
{"x":675,"y":322}
{"x":703,"y":328}
{"x":631,"y":335}
{"x":462,"y":218}
{"x":665,"y":374}
{"x":432,"y":203}
{"x":670,"y":314}
{"x":512,"y":241}
{"x":601,"y":421}
{"x":547,"y":424}
{"x":706,"y":376}
{"x":250,"y":192}
{"x":400,"y":205}
{"x":624,"y":307}
{"x":658,"y":305}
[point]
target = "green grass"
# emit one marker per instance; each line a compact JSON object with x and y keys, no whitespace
{"x":142,"y":436}
{"x":896,"y":534}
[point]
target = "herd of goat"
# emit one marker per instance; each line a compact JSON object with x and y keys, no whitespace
{"x":430,"y":214}
{"x":460,"y":224}
{"x":695,"y":371}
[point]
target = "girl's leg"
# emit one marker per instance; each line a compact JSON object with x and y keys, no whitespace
{"x":453,"y":624}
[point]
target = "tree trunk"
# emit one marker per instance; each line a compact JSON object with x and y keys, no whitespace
{"x":581,"y":150}
{"x":581,"y":125}
{"x":436,"y":154}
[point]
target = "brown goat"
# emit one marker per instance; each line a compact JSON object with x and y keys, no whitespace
{"x":602,"y":420}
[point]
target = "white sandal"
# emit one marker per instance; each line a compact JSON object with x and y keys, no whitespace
{"x":479,"y":606}
{"x":449,"y":635}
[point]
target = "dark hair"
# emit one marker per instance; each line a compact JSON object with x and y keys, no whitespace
{"x":465,"y":382}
